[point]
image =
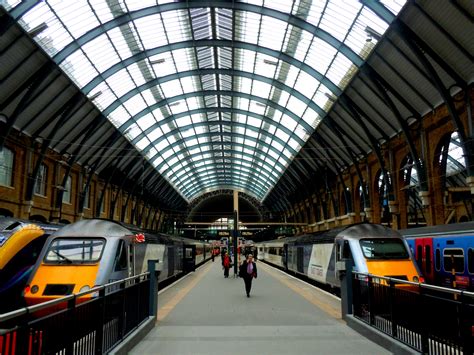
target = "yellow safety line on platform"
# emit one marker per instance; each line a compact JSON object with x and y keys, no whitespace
{"x":307,"y":293}
{"x":168,"y":307}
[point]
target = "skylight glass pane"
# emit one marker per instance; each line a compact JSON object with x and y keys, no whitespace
{"x":272,"y":33}
{"x":79,"y":68}
{"x":135,"y":104}
{"x":151,"y":31}
{"x":119,"y":116}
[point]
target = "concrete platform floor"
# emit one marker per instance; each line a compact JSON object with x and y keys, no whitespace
{"x":205,"y":313}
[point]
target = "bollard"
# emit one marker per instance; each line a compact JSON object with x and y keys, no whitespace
{"x":153,"y":297}
{"x":345,"y":276}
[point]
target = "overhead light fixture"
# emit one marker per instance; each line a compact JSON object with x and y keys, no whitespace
{"x":38,"y":29}
{"x":260,"y":104}
{"x":96,"y":95}
{"x":330,"y":97}
{"x":174,"y":104}
{"x":157,"y":61}
{"x":271,"y":62}
{"x":372,"y":34}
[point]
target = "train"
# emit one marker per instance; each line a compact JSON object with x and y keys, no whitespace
{"x":373,"y":248}
{"x":444,"y":254}
{"x":21,"y":242}
{"x":96,"y":252}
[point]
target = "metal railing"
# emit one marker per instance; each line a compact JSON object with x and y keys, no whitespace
{"x":427,"y":318}
{"x":90,"y":322}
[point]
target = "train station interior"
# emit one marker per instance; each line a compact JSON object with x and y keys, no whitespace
{"x":318,"y":135}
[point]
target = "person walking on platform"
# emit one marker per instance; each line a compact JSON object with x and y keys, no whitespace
{"x":213,"y":252}
{"x":247,"y":271}
{"x":226,"y":262}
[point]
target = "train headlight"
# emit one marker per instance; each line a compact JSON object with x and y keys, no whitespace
{"x":416,"y":279}
{"x":84,"y":288}
{"x":34,"y":289}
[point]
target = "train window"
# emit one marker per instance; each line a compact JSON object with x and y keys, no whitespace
{"x":68,"y":251}
{"x":453,"y":260}
{"x":438,"y":260}
{"x":419,"y":255}
{"x":428,"y":258}
{"x":121,"y":257}
{"x":470,"y":260}
{"x":346,"y":250}
{"x":384,"y":248}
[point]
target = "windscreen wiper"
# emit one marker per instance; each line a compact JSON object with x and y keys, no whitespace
{"x":62,"y":256}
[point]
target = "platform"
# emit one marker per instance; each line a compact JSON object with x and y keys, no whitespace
{"x":206,"y":313}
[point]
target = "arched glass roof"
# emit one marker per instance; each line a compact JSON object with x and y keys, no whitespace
{"x":215,"y":94}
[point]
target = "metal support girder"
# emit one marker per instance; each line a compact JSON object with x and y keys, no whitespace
{"x":267,"y":166}
{"x":369,"y":120}
{"x":201,"y":93}
{"x":330,"y":194}
{"x":411,"y":38}
{"x":381,"y":85}
{"x":124,"y":207}
{"x":240,"y":6}
{"x":71,"y":161}
{"x":34,"y":82}
{"x":64,"y":116}
{"x":419,"y":48}
{"x":101,"y":149}
{"x":85,"y":133}
{"x":350,"y":107}
{"x":340,"y":134}
{"x":213,"y":134}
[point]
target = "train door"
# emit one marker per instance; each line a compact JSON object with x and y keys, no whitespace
{"x":300,"y":259}
{"x":131,"y":259}
{"x":189,"y":258}
{"x":424,"y":257}
{"x":171,"y":262}
{"x":285,"y":256}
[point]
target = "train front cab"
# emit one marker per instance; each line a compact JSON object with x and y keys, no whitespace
{"x":388,"y":257}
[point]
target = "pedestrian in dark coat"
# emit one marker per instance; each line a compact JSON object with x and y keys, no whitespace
{"x":248,"y":271}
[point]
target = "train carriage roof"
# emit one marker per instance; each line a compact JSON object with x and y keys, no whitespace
{"x":466,"y":227}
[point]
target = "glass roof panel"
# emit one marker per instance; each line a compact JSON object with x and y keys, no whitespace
{"x":264,"y":94}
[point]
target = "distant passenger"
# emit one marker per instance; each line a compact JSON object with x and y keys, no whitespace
{"x":226,"y":262}
{"x":213,"y":252}
{"x":248,"y":270}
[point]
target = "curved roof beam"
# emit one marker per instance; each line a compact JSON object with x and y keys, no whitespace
{"x":260,"y":99}
{"x":207,"y":134}
{"x":237,"y":177}
{"x":229,"y":134}
{"x":153,"y":10}
{"x":265,"y":167}
{"x":212,"y":43}
{"x":219,"y":186}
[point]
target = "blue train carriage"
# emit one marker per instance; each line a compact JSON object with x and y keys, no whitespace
{"x":21,"y":242}
{"x":373,"y":249}
{"x":95,"y":252}
{"x":444,"y":253}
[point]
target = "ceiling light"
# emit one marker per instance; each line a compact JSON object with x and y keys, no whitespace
{"x":96,"y":95}
{"x":38,"y":29}
{"x":372,"y":34}
{"x":260,"y":104}
{"x":157,"y":61}
{"x":174,"y":104}
{"x":271,"y":62}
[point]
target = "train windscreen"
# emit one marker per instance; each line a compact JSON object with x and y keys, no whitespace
{"x":77,"y":251}
{"x":384,"y":248}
